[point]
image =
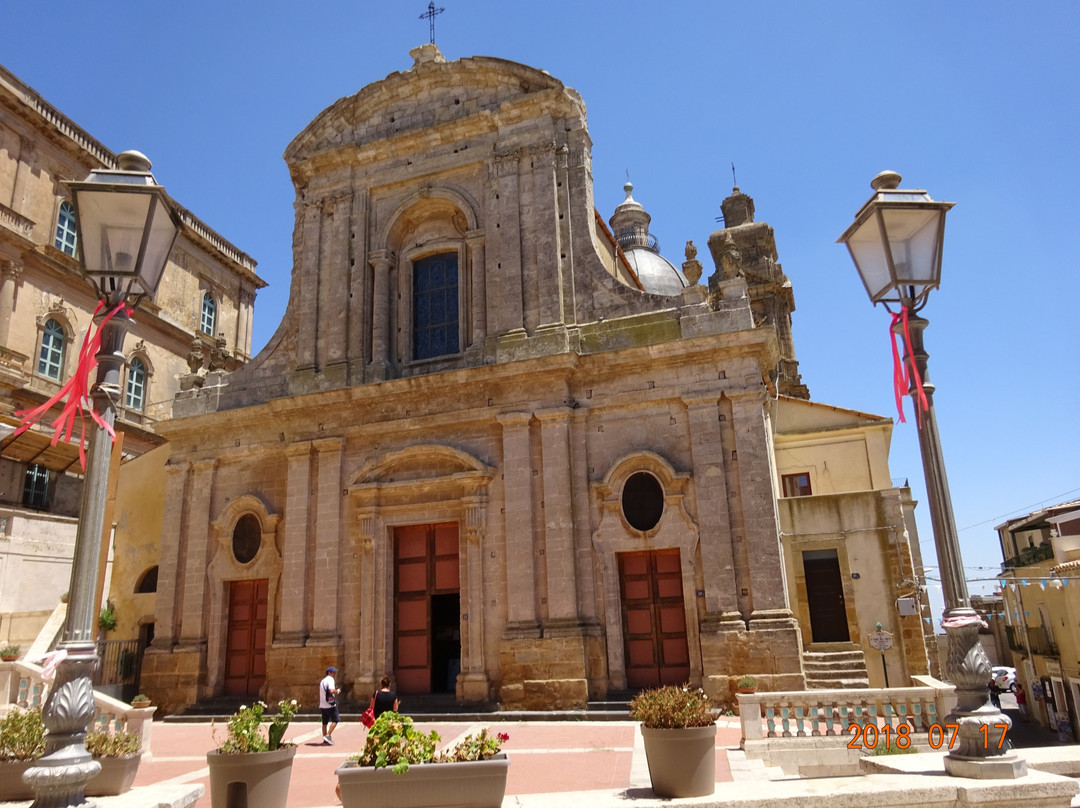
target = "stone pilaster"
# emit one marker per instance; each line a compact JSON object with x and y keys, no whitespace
{"x":518,"y":519}
{"x":773,"y":644}
{"x":293,"y":627}
{"x":169,"y":558}
{"x":326,"y":560}
{"x":381,"y":262}
{"x":714,"y":522}
{"x":308,"y":308}
{"x":11,"y":270}
{"x":198,"y":553}
{"x":333,"y":281}
{"x":473,"y":684}
{"x":474,"y":240}
{"x":365,"y":546}
{"x":761,"y":521}
{"x":504,"y":285}
{"x":359,"y":311}
{"x":558,"y":514}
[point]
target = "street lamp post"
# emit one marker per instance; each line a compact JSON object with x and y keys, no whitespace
{"x":896,"y":243}
{"x":126,"y":229}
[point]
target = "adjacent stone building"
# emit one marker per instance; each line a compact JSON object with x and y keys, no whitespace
{"x":497,"y":448}
{"x":202,"y":313}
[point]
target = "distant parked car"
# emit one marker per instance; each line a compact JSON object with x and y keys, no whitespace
{"x":1004,"y":678}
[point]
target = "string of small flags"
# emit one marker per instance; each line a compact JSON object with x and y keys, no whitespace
{"x":1042,"y":583}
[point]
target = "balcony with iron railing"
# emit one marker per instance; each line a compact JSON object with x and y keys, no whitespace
{"x":1029,"y":556}
{"x":1031,"y":639}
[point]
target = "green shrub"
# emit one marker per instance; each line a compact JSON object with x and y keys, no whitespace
{"x":22,"y":735}
{"x":102,"y":743}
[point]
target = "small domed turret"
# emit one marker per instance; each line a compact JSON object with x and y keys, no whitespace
{"x":630,"y":225}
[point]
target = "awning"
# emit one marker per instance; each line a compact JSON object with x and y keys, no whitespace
{"x":35,"y":447}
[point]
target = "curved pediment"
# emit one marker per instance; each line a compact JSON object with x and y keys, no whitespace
{"x":449,"y":91}
{"x":419,"y":463}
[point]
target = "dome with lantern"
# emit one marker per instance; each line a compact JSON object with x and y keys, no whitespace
{"x":630,"y":226}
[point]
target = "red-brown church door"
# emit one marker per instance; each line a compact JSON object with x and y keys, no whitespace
{"x":654,"y":618}
{"x":427,"y":608}
{"x":245,"y":654}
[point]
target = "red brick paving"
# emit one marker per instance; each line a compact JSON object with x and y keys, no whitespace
{"x":547,"y":756}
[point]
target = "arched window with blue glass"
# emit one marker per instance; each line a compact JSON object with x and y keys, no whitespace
{"x":51,"y":359}
{"x":208,"y":319}
{"x":66,"y":235}
{"x":135,"y":395}
{"x":435,"y":306}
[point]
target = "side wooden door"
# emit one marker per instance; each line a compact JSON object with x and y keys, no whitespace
{"x":245,"y":654}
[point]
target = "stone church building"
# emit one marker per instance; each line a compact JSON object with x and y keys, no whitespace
{"x":502,"y":449}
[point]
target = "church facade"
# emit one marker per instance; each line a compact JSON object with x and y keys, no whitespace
{"x":496,"y":448}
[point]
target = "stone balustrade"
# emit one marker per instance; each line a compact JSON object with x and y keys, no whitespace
{"x":21,"y":684}
{"x":819,"y":713}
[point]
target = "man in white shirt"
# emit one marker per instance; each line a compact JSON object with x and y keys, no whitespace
{"x":328,"y":691}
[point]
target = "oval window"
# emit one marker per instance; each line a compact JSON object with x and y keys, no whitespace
{"x":246,"y":538}
{"x":642,"y":501}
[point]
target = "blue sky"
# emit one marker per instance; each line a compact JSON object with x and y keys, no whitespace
{"x":974,"y":101}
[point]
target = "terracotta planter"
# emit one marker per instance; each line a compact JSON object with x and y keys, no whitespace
{"x":682,"y":762}
{"x":258,"y":779}
{"x":9,"y":657}
{"x":12,"y":787}
{"x":116,"y":776}
{"x":477,"y":784}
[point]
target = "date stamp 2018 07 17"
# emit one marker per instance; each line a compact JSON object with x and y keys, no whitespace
{"x":868,"y":736}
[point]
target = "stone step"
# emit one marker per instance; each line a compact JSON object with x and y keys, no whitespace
{"x":834,"y":671}
{"x":837,"y":684}
{"x":748,"y":769}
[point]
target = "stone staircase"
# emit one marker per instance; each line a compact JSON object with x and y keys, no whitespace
{"x":835,"y":668}
{"x":747,"y":769}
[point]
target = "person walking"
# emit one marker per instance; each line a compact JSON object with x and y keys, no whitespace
{"x":1021,"y":700}
{"x":328,"y":692}
{"x":384,"y":699}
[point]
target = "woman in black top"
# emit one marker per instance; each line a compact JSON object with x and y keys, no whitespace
{"x":384,"y":699}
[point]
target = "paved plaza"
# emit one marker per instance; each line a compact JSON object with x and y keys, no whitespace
{"x":548,"y":756}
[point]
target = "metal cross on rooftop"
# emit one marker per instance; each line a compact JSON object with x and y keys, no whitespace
{"x":430,"y":14}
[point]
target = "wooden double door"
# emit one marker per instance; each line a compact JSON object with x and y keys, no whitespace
{"x":245,"y":647}
{"x":654,"y":619}
{"x":427,"y":608}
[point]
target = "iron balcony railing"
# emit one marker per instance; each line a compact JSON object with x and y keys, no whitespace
{"x":1029,"y":556}
{"x":120,"y":663}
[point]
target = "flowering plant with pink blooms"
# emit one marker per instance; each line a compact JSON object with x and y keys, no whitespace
{"x":474,"y":747}
{"x":393,"y":741}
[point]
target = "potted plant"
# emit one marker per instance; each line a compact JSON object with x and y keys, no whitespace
{"x":748,"y":684}
{"x":399,"y":768}
{"x":22,"y":741}
{"x":107,"y":618}
{"x":140,"y":700}
{"x":9,"y":653}
{"x":248,"y":769}
{"x":679,"y":729}
{"x":119,"y":756}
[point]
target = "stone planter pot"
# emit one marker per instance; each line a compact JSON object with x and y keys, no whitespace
{"x":682,"y":762}
{"x":116,"y":776}
{"x":258,"y":779}
{"x":477,"y":784}
{"x":12,"y":787}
